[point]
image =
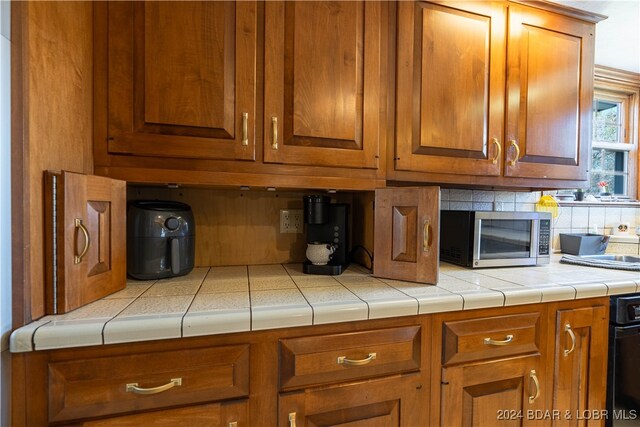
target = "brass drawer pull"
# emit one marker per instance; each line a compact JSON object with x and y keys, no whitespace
{"x":274,"y":133}
{"x":567,"y":328}
{"x":517,"y":156}
{"x":536,"y":383}
{"x":233,"y":424}
{"x":499,"y":151}
{"x":133,"y":387}
{"x":342,"y":360}
{"x":87,"y":241}
{"x":506,"y":341}
{"x":245,"y":128}
{"x":292,"y":419}
{"x":426,"y":236}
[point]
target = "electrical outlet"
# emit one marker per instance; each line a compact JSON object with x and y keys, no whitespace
{"x":290,"y":220}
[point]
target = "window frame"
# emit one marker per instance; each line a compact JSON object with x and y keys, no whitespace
{"x":621,"y":87}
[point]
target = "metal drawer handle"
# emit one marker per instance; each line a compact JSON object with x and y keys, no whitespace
{"x":274,"y":133}
{"x":342,"y":360}
{"x":133,"y":387}
{"x":567,"y":329}
{"x":517,"y":156}
{"x":536,"y":383}
{"x":292,"y":419}
{"x":426,"y":235}
{"x":506,"y":341}
{"x":498,"y":153}
{"x":87,"y":241}
{"x":233,"y":424}
{"x":245,"y":128}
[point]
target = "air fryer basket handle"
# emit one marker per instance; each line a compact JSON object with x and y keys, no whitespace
{"x":175,"y":256}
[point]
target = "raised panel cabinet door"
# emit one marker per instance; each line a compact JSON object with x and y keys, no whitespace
{"x":324,"y":83}
{"x":580,"y":365}
{"x":228,"y":414}
{"x":182,"y":79}
{"x":450,"y":87}
{"x":549,"y":95}
{"x":505,"y":392}
{"x":406,"y":229}
{"x":393,"y":402}
{"x":85,"y":239}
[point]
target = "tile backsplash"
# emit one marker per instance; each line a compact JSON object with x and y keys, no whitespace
{"x":483,"y":200}
{"x":571,"y":219}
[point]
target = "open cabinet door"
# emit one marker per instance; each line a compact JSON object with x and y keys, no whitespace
{"x":85,"y":239}
{"x":407,"y":225}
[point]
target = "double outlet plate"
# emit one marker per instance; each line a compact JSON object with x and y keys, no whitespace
{"x":290,"y":221}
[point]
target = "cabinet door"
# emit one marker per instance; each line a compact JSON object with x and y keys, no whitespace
{"x":450,"y":87}
{"x":323,"y":83}
{"x":397,"y":401}
{"x":407,"y":223}
{"x":181,"y":79}
{"x":549,"y":96}
{"x":85,"y":239}
{"x":233,"y":414}
{"x":498,"y":393}
{"x":581,"y":363}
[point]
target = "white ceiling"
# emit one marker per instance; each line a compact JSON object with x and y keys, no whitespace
{"x":618,"y":36}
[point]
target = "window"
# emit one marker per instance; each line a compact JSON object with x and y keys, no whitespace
{"x":614,"y":142}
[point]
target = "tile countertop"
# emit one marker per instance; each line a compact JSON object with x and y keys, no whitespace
{"x":220,"y":300}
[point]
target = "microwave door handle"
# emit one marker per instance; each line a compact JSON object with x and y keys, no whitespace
{"x":175,"y":256}
{"x":477,"y":237}
{"x":535,"y":231}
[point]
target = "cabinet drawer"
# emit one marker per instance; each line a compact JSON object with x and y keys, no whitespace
{"x":105,"y":386}
{"x":213,"y":414}
{"x":334,"y":358}
{"x":486,"y":338}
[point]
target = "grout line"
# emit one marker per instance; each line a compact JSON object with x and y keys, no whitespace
{"x":204,"y":277}
{"x":313,"y":311}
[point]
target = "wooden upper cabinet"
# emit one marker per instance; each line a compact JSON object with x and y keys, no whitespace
{"x":450,"y":87}
{"x":182,"y":79}
{"x":324,"y":85}
{"x":493,"y":89}
{"x":549,"y":95}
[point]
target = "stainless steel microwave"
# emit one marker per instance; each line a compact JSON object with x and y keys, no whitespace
{"x":479,"y":239}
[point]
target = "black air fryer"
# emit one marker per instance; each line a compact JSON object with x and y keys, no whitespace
{"x":160,"y":239}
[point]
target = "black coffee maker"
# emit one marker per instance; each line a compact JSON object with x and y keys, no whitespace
{"x":326,"y":222}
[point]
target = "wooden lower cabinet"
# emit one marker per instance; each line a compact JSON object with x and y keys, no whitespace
{"x":580,"y":365}
{"x":396,"y":401}
{"x":503,"y":392}
{"x":521,"y":365}
{"x":518,"y":365}
{"x":228,"y":414}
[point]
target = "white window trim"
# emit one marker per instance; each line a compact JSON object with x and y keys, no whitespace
{"x":626,"y":84}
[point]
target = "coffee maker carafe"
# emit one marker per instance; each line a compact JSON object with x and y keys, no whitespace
{"x":326,"y":224}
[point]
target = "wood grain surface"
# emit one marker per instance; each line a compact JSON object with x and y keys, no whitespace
{"x":55,"y":118}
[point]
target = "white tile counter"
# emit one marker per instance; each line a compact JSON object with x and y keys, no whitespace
{"x":248,"y":298}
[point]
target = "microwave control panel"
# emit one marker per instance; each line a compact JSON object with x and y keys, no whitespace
{"x":544,"y":237}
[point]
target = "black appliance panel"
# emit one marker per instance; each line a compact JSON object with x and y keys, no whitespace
{"x":623,"y":373}
{"x":455,"y":229}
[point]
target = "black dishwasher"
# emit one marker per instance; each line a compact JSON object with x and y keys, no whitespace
{"x":623,"y":382}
